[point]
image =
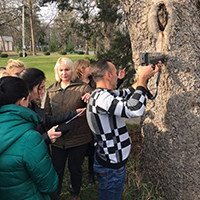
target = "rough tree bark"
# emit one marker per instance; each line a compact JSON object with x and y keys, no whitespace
{"x":3,"y":42}
{"x":171,"y":123}
{"x":86,"y":48}
{"x":108,"y":28}
{"x":97,"y":46}
{"x":32,"y":27}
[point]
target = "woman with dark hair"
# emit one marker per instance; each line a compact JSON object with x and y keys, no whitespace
{"x":35,"y":80}
{"x":23,"y":153}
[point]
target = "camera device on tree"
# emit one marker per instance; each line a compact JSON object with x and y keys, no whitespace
{"x":152,"y":58}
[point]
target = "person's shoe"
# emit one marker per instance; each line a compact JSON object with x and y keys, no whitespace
{"x":91,"y":178}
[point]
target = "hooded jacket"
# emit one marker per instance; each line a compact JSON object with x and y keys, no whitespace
{"x":26,"y":171}
{"x":60,"y":101}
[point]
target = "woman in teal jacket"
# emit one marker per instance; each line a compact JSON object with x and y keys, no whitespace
{"x":26,"y":171}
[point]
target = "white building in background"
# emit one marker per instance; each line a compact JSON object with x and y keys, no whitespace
{"x":8,"y":42}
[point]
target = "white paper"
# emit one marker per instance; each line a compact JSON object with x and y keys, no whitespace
{"x":74,"y":117}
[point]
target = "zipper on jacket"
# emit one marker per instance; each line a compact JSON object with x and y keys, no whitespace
{"x":63,"y":92}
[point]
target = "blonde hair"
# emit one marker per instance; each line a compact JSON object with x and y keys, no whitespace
{"x":3,"y":72}
{"x":14,"y":64}
{"x":63,"y":61}
{"x":79,"y":66}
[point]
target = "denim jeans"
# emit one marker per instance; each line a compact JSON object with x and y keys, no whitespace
{"x":111,"y":181}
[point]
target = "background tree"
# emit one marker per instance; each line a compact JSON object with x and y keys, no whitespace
{"x":40,"y":35}
{"x":10,"y":18}
{"x":54,"y":44}
{"x":170,"y":126}
{"x":82,"y":20}
{"x":109,"y":16}
{"x":99,"y":17}
{"x":121,"y":55}
{"x":65,"y":34}
{"x":63,"y":27}
{"x":30,"y":2}
{"x":11,"y":22}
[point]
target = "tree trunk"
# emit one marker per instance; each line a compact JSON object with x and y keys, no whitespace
{"x":32,"y":27}
{"x":86,"y":48}
{"x":108,"y":28}
{"x":97,"y":46}
{"x":108,"y":24}
{"x":3,"y":42}
{"x":171,"y":124}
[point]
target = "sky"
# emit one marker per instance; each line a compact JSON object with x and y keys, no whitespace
{"x":48,"y":12}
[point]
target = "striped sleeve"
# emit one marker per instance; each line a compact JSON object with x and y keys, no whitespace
{"x":108,"y":103}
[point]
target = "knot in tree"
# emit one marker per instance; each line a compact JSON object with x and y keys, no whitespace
{"x":162,"y":15}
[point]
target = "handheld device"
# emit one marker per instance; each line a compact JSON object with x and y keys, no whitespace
{"x":65,"y":127}
{"x":152,"y":58}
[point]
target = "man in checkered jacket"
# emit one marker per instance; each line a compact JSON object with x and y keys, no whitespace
{"x":106,"y":109}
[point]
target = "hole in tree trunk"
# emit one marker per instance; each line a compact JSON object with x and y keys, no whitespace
{"x":162,"y":15}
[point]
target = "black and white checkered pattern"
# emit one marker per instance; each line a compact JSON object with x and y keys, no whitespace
{"x":105,"y":112}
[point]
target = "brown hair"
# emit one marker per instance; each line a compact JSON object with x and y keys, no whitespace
{"x":79,"y":66}
{"x":99,"y":68}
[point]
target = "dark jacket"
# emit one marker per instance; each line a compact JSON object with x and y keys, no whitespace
{"x":50,"y":121}
{"x":60,"y":101}
{"x":26,"y":171}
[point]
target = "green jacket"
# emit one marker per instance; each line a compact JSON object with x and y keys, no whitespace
{"x":26,"y":171}
{"x":60,"y":101}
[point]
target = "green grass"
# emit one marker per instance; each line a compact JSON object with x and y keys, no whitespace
{"x":44,"y":63}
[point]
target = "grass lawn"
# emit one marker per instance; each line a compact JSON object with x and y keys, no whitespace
{"x":44,"y":63}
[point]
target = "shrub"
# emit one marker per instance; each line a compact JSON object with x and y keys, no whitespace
{"x":54,"y":45}
{"x":45,"y":49}
{"x":4,"y":55}
{"x":70,"y":47}
{"x":21,"y":54}
{"x":47,"y":53}
{"x":75,"y":51}
{"x":18,"y":48}
{"x":62,"y":52}
{"x":81,"y":52}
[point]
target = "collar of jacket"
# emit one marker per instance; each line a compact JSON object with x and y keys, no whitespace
{"x":38,"y":110}
{"x":56,"y":86}
{"x":15,"y":121}
{"x":21,"y":112}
